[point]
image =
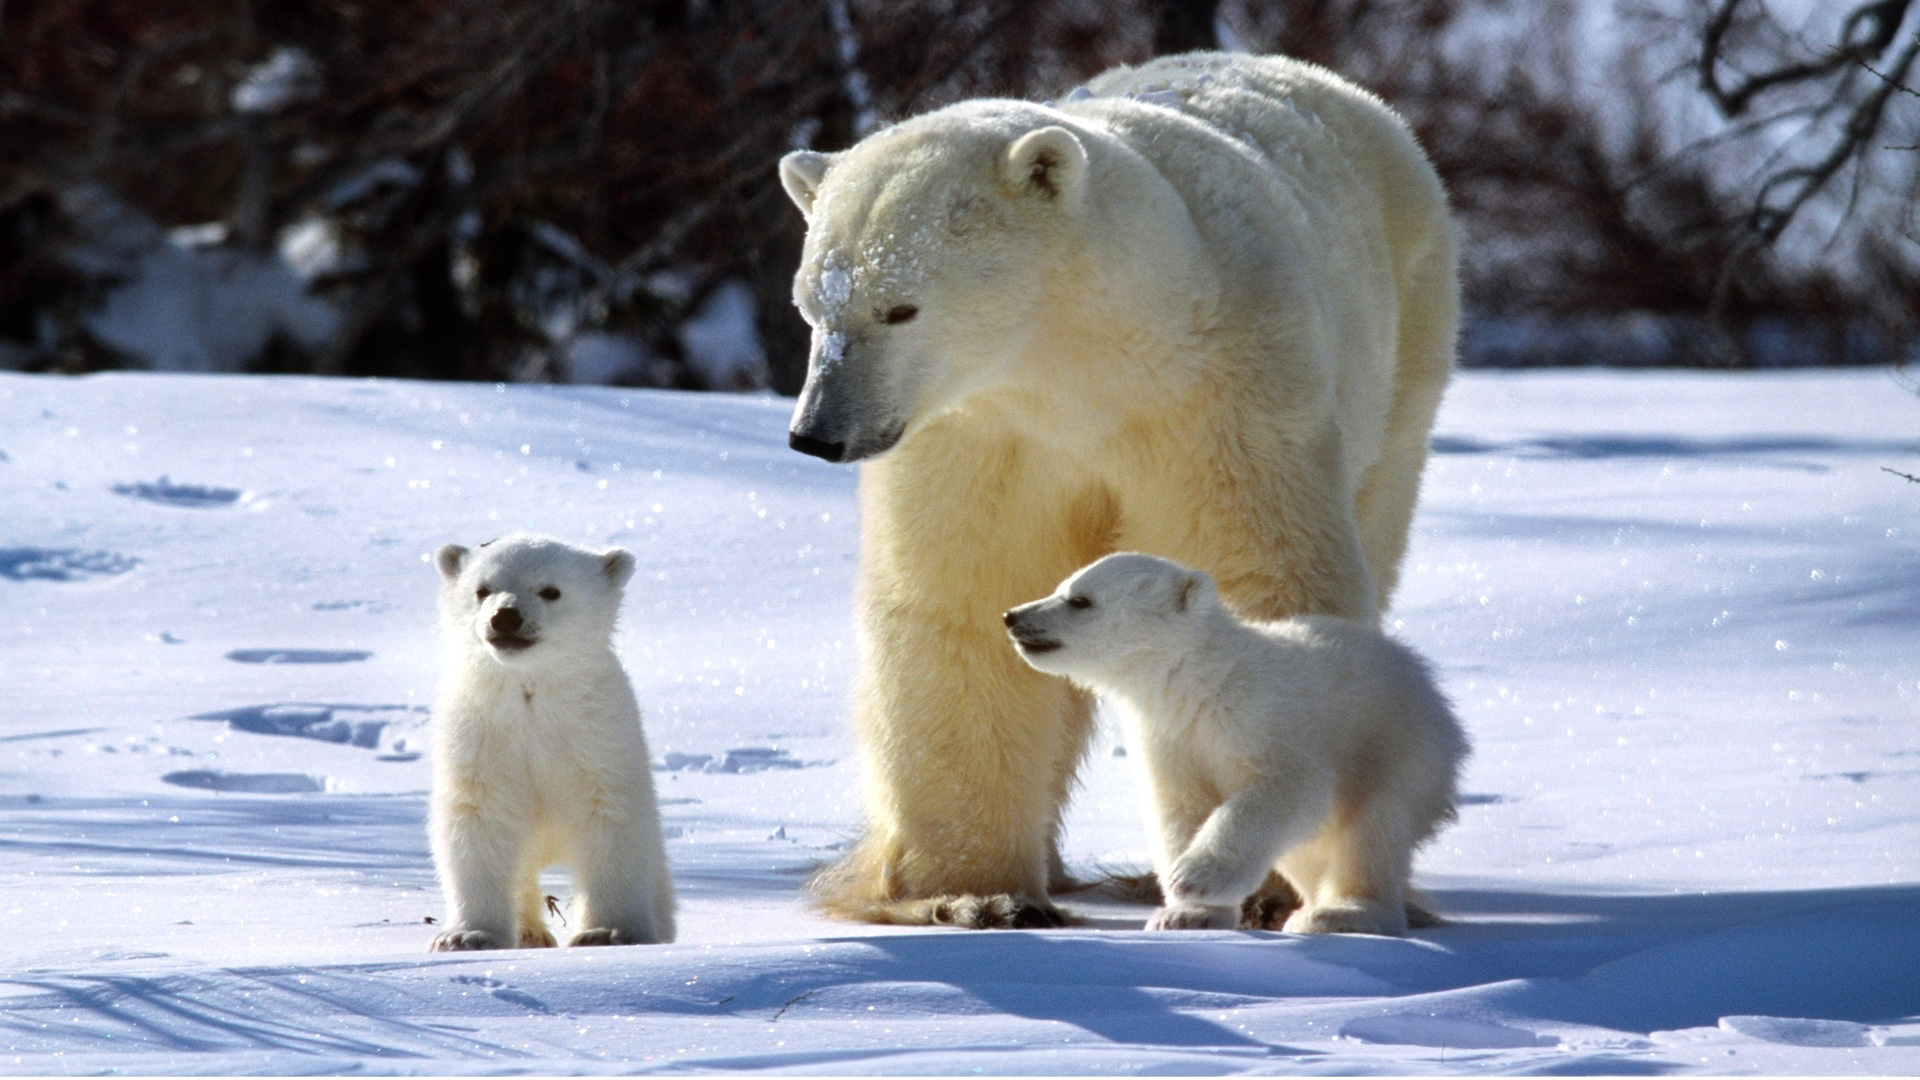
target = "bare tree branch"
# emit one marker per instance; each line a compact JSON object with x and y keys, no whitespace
{"x":1882,"y":17}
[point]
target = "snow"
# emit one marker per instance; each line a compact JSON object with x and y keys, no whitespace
{"x":721,"y":340}
{"x":607,"y":359}
{"x":287,"y":78}
{"x":853,"y":80}
{"x":1678,"y":613}
{"x":836,"y":287}
{"x":174,"y":303}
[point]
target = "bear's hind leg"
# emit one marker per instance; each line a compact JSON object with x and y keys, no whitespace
{"x":1365,"y":859}
{"x":1384,"y":503}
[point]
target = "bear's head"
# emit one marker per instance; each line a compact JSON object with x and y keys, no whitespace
{"x":531,"y":599}
{"x":925,"y":268}
{"x":1124,"y":613}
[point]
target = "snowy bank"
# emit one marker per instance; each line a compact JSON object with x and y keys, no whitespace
{"x":1678,"y":613}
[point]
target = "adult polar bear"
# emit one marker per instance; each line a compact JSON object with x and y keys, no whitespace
{"x":1203,"y":308}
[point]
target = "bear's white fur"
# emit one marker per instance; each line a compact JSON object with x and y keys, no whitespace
{"x":1315,"y":746}
{"x":1204,"y":308}
{"x":538,"y":756}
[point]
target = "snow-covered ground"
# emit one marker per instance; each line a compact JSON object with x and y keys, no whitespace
{"x":1679,"y":613}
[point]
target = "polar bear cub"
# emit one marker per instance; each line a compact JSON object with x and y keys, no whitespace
{"x":1314,"y":745}
{"x":538,"y":756}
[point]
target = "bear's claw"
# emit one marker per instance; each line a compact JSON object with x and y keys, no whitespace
{"x":467,"y":941}
{"x":999,"y":911}
{"x":1194,"y":917}
{"x":613,"y":935}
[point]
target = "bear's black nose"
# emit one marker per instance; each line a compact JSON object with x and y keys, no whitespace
{"x":1011,"y":618}
{"x":505,"y":621}
{"x":820,"y":448}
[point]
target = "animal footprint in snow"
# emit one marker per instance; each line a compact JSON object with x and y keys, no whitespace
{"x":298,"y":656}
{"x":370,"y":727}
{"x":61,"y":564}
{"x":190,"y":496}
{"x":740,"y":759}
{"x":251,"y":783}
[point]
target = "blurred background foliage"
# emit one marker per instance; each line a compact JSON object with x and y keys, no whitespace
{"x":585,"y":191}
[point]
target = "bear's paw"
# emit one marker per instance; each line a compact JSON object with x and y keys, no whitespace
{"x":1195,"y":917}
{"x":1269,"y":906}
{"x":1356,"y":918}
{"x":468,"y":941}
{"x":997,"y":911}
{"x":611,"y":935}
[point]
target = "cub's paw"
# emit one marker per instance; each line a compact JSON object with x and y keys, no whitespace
{"x":468,"y":941}
{"x":1194,"y":917}
{"x":998,"y":911}
{"x":610,"y":935}
{"x":1364,"y":918}
{"x":1196,"y":878}
{"x":1268,"y":908}
{"x":536,"y":937}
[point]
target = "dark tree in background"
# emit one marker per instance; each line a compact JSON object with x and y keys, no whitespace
{"x":1851,"y":101}
{"x":573,"y":189}
{"x":493,"y":175}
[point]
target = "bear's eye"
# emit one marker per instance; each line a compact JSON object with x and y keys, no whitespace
{"x":1079,"y":602}
{"x":549,"y":594}
{"x":482,"y":593}
{"x":899,"y":314}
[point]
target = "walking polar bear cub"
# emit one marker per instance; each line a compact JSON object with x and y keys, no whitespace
{"x":1203,"y":308}
{"x":1314,"y":746}
{"x":538,"y":756}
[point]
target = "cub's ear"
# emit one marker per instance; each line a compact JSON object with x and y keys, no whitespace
{"x":1191,"y":588}
{"x":1050,"y":163}
{"x":451,"y":558}
{"x":801,"y":173}
{"x":618,"y":564}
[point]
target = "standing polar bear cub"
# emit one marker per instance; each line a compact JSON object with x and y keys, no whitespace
{"x":538,"y":756}
{"x":1314,"y":746}
{"x":1202,"y":308}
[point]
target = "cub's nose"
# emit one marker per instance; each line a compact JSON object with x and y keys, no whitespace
{"x":1011,"y":617}
{"x":505,"y":621}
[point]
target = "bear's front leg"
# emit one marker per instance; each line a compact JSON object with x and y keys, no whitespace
{"x":478,"y":860}
{"x":1233,"y":852}
{"x":968,"y":752}
{"x":965,"y":744}
{"x":620,"y":871}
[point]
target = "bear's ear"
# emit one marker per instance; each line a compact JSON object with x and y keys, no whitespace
{"x":451,"y":558}
{"x":1191,"y":588}
{"x":801,"y":173}
{"x":1050,"y":163}
{"x":618,"y":564}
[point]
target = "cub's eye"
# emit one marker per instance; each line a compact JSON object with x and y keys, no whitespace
{"x":900,"y":314}
{"x":482,"y":593}
{"x":549,"y":594}
{"x":1079,"y":602}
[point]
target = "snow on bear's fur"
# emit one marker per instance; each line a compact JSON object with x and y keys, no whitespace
{"x":538,"y":756}
{"x":1314,"y":746}
{"x":1203,"y":308}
